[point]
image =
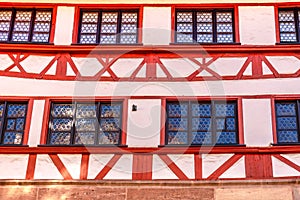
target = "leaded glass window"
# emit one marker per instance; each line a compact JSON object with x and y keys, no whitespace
{"x":201,"y":123}
{"x":31,"y":25}
{"x":12,"y":122}
{"x":289,"y":25}
{"x":287,"y":121}
{"x":108,"y":27}
{"x":204,"y":26}
{"x":85,"y":123}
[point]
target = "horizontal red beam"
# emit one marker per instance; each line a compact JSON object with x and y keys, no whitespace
{"x":158,"y":150}
{"x":143,"y":49}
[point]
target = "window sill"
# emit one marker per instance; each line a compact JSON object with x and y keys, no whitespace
{"x":78,"y":145}
{"x":287,"y":43}
{"x":116,"y":44}
{"x":13,"y":145}
{"x":204,"y":44}
{"x":286,"y":144}
{"x":29,"y":43}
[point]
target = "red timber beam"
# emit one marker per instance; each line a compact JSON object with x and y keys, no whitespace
{"x":202,"y":58}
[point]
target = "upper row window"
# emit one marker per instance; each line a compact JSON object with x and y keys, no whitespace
{"x":204,"y":26}
{"x":26,"y":25}
{"x":108,"y":27}
{"x":289,"y":25}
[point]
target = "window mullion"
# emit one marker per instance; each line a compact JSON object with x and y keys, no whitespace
{"x":99,"y":23}
{"x":194,"y":20}
{"x":213,"y":123}
{"x":190,"y":118}
{"x":12,"y":23}
{"x":298,"y":118}
{"x":73,"y":129}
{"x":119,"y":23}
{"x":214,"y":24}
{"x":98,"y":121}
{"x":296,"y":21}
{"x":31,"y":26}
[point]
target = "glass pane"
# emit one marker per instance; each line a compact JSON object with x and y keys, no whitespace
{"x":60,"y":138}
{"x":88,"y":39}
{"x":204,"y":27}
{"x":5,"y":17}
{"x":177,"y":110}
{"x":201,"y":110}
{"x":224,"y":17}
{"x":110,"y":124}
{"x":202,"y":138}
{"x":220,"y":124}
{"x":16,"y":110}
{"x":204,"y":17}
{"x":284,"y":123}
{"x":286,"y":16}
{"x":1,"y":110}
{"x":110,"y":17}
{"x":110,"y":110}
{"x":226,"y":137}
{"x":40,"y":37}
{"x":177,"y":124}
{"x":10,"y":124}
{"x":61,"y":124}
{"x":109,"y":137}
{"x":86,"y":124}
{"x":128,"y":28}
{"x":224,"y":38}
{"x":21,"y":26}
{"x":177,"y":138}
{"x":89,"y":17}
{"x":286,"y":109}
{"x":129,"y":17}
{"x":184,"y":38}
{"x":223,"y":110}
{"x":224,"y":28}
{"x":230,"y":124}
{"x":201,"y":124}
{"x":86,"y":110}
{"x":288,"y":37}
{"x":63,"y":110}
{"x":108,"y":39}
{"x":128,"y":39}
{"x":85,"y":138}
{"x":109,"y":28}
{"x":287,"y":136}
{"x":205,"y":38}
{"x":287,"y":27}
{"x":184,"y":16}
{"x":185,"y":27}
{"x":12,"y":138}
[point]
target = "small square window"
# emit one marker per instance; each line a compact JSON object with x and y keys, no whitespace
{"x":288,"y":20}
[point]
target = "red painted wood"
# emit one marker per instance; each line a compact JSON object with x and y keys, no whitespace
{"x":60,"y":166}
{"x":244,"y":67}
{"x":288,"y":162}
{"x":84,"y":166}
{"x":257,"y":70}
{"x":218,"y":172}
{"x":31,"y":167}
{"x":198,"y":166}
{"x":163,"y":119}
{"x":45,"y":122}
{"x":240,"y":120}
{"x":142,"y":167}
{"x":61,"y":68}
{"x":236,"y":24}
{"x":53,"y":24}
{"x":273,"y":113}
{"x":108,"y":167}
{"x":258,"y":166}
{"x":270,"y":66}
{"x":150,"y":66}
{"x":28,"y":121}
{"x":124,"y":122}
{"x":173,"y":167}
{"x":276,"y":23}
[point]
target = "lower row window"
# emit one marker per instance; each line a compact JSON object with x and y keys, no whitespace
{"x":85,"y":123}
{"x":199,"y":123}
{"x":12,"y":122}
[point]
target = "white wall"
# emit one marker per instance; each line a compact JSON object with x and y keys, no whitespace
{"x":157,"y":25}
{"x":64,"y":25}
{"x":143,"y":126}
{"x":257,"y":122}
{"x":257,"y":25}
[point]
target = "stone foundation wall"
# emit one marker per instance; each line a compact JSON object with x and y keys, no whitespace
{"x":162,"y":190}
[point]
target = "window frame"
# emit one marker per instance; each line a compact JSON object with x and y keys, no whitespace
{"x":27,"y":119}
{"x":45,"y":139}
{"x":51,"y":9}
{"x":77,"y":35}
{"x":237,"y":117}
{"x":214,"y":25}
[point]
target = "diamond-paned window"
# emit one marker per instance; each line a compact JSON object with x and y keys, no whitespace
{"x":85,"y":123}
{"x":201,"y":123}
{"x":12,"y":122}
{"x":287,"y":121}
{"x":108,"y":27}
{"x":204,"y":26}
{"x":289,"y":25}
{"x":30,"y":25}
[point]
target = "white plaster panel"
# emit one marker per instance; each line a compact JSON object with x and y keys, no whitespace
{"x":295,"y":158}
{"x":179,"y":67}
{"x":36,"y":64}
{"x":160,"y":170}
{"x":36,"y":123}
{"x":15,"y":69}
{"x":72,"y":162}
{"x":248,"y":71}
{"x":237,"y":170}
{"x":70,"y":71}
{"x":266,"y":70}
{"x":157,"y":25}
{"x":185,"y":162}
{"x":124,"y":67}
{"x":45,"y":168}
{"x":122,"y":169}
{"x":257,"y":121}
{"x":257,"y":25}
{"x":211,"y":162}
{"x":284,"y":64}
{"x":13,"y":166}
{"x":96,"y":163}
{"x":143,"y":126}
{"x":227,"y":66}
{"x":142,"y":72}
{"x":52,"y":69}
{"x":5,"y":61}
{"x":36,"y":87}
{"x":281,"y":169}
{"x":87,"y":66}
{"x":64,"y":25}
